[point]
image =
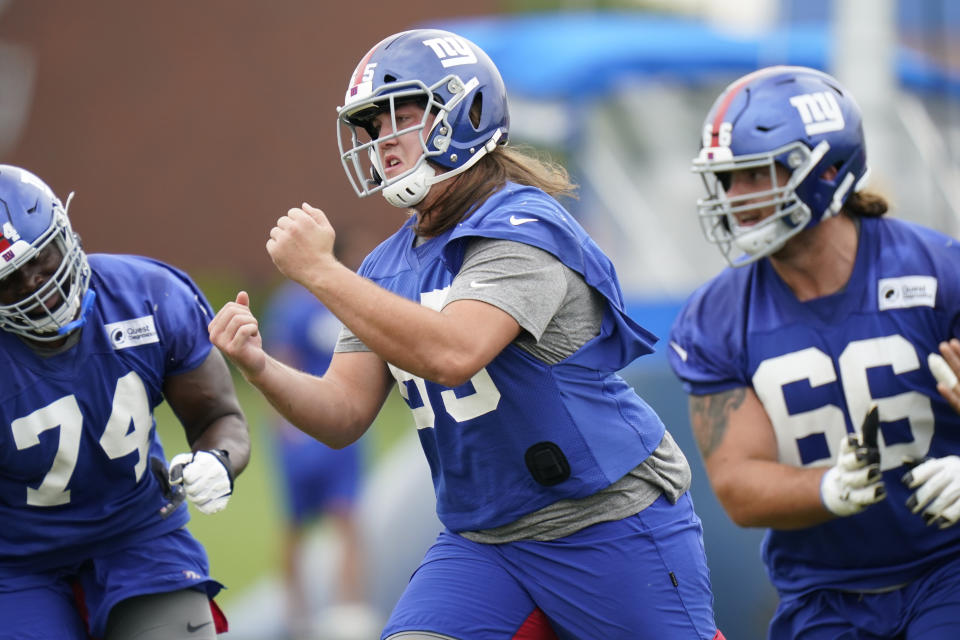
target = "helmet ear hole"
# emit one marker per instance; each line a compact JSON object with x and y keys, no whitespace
{"x":476,"y":110}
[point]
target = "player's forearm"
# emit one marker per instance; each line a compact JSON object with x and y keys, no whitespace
{"x":760,"y":493}
{"x":413,"y":337}
{"x":229,"y":433}
{"x":315,"y":405}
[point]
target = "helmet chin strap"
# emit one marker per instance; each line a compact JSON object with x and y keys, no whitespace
{"x":81,"y":319}
{"x":760,"y":241}
{"x":410,"y":190}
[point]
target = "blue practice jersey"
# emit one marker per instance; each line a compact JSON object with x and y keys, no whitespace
{"x":478,"y":436}
{"x":77,"y":429}
{"x":817,"y":366}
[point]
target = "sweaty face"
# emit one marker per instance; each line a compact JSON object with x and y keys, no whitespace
{"x":400,"y":153}
{"x":29,"y":279}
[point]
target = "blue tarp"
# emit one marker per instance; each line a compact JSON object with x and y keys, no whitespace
{"x":578,"y":55}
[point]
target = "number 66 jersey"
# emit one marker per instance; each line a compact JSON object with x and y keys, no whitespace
{"x":77,"y":427}
{"x":817,"y":366}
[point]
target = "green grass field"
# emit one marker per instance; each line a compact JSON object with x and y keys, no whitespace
{"x":242,"y":541}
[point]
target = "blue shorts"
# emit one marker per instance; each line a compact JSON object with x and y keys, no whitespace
{"x":53,"y":604}
{"x":316,"y":478}
{"x":643,"y":577}
{"x":925,"y":609}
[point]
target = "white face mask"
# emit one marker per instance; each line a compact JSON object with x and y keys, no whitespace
{"x":29,"y":317}
{"x":743,"y":244}
{"x":361,"y":160}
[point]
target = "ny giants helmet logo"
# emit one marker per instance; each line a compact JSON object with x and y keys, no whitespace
{"x":452,"y":51}
{"x":819,"y":111}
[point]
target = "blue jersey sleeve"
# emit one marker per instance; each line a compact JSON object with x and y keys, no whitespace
{"x":706,"y":348}
{"x":182,"y":314}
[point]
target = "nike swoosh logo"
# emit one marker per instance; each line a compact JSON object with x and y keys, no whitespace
{"x":680,"y":350}
{"x":480,"y":285}
{"x":514,"y":220}
{"x":193,"y":629}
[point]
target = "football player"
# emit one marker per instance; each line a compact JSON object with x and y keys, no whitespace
{"x":563,"y":496}
{"x":811,"y":398}
{"x":93,"y":538}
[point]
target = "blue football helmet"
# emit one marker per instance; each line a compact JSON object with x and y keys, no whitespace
{"x":445,"y":74}
{"x":796,"y":117}
{"x":31,"y":218}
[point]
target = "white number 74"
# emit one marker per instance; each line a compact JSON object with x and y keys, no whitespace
{"x":130,"y":405}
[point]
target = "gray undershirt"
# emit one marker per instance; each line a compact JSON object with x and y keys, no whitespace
{"x":558,"y":312}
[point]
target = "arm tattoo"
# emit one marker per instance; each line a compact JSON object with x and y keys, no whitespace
{"x":709,"y":415}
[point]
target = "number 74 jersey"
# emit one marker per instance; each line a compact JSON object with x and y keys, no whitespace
{"x":77,"y":428}
{"x":817,"y":366}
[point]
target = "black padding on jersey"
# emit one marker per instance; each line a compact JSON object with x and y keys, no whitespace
{"x":547,"y":464}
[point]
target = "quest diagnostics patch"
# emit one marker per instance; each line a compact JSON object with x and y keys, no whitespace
{"x":906,"y":291}
{"x":132,"y":333}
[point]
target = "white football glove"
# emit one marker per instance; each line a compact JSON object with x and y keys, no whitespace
{"x":937,"y":484}
{"x":206,"y":477}
{"x":941,"y":370}
{"x":855,"y":482}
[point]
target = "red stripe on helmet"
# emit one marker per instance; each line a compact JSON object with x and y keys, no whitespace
{"x":732,"y":92}
{"x":358,"y":72}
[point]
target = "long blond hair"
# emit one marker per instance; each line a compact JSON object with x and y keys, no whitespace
{"x":471,"y":188}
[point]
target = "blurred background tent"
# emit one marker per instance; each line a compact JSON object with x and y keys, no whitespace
{"x":187,"y":129}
